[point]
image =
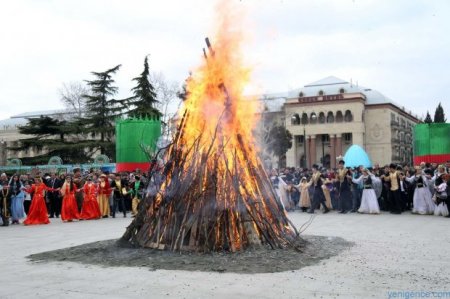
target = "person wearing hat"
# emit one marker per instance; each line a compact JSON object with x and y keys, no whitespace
{"x":104,"y":190}
{"x":318,"y":196}
{"x":137,"y":192}
{"x":343,"y":186}
{"x":442,"y":195}
{"x":38,"y":210}
{"x":422,"y":199}
{"x":369,"y":201}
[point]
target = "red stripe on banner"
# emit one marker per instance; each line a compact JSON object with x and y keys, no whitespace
{"x":132,"y":166}
{"x":431,"y":159}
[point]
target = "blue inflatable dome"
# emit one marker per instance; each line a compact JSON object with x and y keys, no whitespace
{"x":356,"y":156}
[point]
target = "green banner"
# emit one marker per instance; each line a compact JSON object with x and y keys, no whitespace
{"x":431,"y":139}
{"x":136,"y":136}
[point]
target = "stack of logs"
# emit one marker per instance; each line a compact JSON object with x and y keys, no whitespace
{"x":214,"y":195}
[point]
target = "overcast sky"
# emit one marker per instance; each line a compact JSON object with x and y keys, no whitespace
{"x":400,"y":48}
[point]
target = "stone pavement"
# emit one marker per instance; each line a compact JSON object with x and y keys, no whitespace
{"x":391,"y":253}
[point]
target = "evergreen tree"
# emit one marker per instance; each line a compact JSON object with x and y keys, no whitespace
{"x":439,"y":116}
{"x":428,"y":119}
{"x":101,"y":112}
{"x":53,"y":137}
{"x":142,"y":104}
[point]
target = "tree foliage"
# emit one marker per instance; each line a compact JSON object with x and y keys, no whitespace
{"x":50,"y":137}
{"x":101,"y":112}
{"x":143,"y":102}
{"x":278,"y":140}
{"x":428,"y":119}
{"x":439,"y":115}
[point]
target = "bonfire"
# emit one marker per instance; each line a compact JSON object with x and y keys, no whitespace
{"x":215,"y":194}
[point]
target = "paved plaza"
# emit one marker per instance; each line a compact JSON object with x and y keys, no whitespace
{"x":392,"y":253}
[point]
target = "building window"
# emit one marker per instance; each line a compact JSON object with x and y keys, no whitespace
{"x":304,"y":118}
{"x":347,"y":137}
{"x":313,"y":118}
{"x":325,"y":138}
{"x":330,"y":117}
{"x":341,"y":90}
{"x":300,"y":139}
{"x":348,"y":116}
{"x":339,"y":117}
{"x":321,"y":93}
{"x":321,"y":118}
{"x":300,"y":95}
{"x":295,"y":119}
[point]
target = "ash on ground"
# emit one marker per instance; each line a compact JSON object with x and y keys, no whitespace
{"x":112,"y":253}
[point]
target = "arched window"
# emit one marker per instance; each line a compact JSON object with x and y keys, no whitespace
{"x":295,"y":119}
{"x":321,"y":93}
{"x":304,"y":118}
{"x":313,"y":118}
{"x":321,"y":118}
{"x":300,"y":95}
{"x":330,"y":117}
{"x":339,"y":117}
{"x":348,"y":116}
{"x":341,"y":90}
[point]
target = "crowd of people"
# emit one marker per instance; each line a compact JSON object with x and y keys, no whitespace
{"x":71,"y":197}
{"x":78,"y":196}
{"x":423,"y":189}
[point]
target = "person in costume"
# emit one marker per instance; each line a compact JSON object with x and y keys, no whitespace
{"x":104,"y":190}
{"x":318,"y":196}
{"x":38,"y":210}
{"x":69,"y":210}
{"x":305,"y":202}
{"x":118,"y":185}
{"x":441,"y":197}
{"x":369,"y":201}
{"x":5,"y":205}
{"x":344,"y":190}
{"x":422,"y":200}
{"x":326,"y":186}
{"x":90,"y":209}
{"x":137,"y":192}
{"x":17,"y":199}
{"x":394,"y":195}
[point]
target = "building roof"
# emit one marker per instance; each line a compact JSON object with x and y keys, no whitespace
{"x":332,"y":85}
{"x":33,"y":114}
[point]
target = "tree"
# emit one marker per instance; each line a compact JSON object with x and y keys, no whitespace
{"x":168,"y":99}
{"x":51,"y":137}
{"x":144,"y":101}
{"x":101,"y":112}
{"x":278,"y":140}
{"x":428,"y":119}
{"x":71,"y":95}
{"x":439,"y":116}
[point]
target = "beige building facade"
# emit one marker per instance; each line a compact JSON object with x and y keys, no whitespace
{"x":328,"y":116}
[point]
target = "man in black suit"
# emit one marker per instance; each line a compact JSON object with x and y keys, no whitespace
{"x":54,"y":197}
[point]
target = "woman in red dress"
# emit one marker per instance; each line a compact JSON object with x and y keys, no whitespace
{"x":90,"y":208}
{"x":38,"y":210}
{"x":69,"y":210}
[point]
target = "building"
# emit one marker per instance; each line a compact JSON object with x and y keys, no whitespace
{"x":327,"y":116}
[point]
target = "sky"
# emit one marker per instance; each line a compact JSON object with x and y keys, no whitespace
{"x":400,"y":48}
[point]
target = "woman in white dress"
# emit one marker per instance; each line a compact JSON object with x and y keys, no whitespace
{"x":422,"y":201}
{"x":441,"y":196}
{"x":369,"y":202}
